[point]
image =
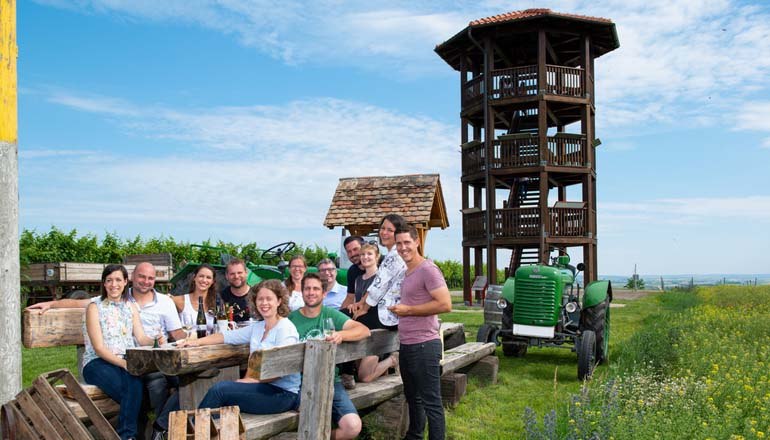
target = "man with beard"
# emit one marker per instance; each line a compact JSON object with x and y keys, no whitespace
{"x":310,"y":318}
{"x":236,"y":294}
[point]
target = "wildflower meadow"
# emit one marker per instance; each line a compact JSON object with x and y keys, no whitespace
{"x":698,"y":369}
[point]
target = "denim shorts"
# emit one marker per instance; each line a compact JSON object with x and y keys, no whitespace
{"x":341,"y":405}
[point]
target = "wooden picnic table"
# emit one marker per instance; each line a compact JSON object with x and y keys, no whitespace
{"x":197,"y":368}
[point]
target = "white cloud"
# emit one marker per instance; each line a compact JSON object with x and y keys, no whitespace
{"x":684,"y":62}
{"x":754,"y":116}
{"x":756,"y":208}
{"x":94,"y":104}
{"x":261,"y":167}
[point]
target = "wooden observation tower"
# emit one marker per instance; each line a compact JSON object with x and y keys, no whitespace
{"x":528,"y":136}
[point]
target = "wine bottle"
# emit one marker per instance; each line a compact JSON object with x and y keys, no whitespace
{"x":200,"y":321}
{"x":221,"y":311}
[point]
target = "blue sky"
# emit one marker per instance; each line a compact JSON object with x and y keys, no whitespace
{"x":234,"y":120}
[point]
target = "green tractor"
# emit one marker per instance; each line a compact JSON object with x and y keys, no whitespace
{"x":256,"y":272}
{"x":542,"y":306}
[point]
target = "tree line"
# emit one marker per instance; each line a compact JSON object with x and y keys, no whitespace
{"x":57,"y":245}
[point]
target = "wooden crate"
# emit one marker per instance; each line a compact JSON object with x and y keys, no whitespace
{"x":230,"y":424}
{"x":41,"y":412}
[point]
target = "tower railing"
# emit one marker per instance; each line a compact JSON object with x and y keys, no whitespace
{"x":522,"y":81}
{"x":525,"y":223}
{"x":523,"y":150}
{"x":473,"y":91}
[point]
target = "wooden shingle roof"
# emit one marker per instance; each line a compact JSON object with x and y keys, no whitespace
{"x":359,"y":203}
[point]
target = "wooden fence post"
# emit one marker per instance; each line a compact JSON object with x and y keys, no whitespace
{"x":315,"y":409}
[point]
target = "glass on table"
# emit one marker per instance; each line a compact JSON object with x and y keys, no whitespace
{"x":188,"y":323}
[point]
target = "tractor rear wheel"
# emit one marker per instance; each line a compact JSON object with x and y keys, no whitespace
{"x":586,"y":352}
{"x":597,"y":319}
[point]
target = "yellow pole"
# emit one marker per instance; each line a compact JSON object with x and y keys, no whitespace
{"x":10,"y":300}
{"x":8,"y":54}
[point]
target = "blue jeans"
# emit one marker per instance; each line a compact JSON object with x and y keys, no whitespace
{"x":122,"y":387}
{"x":421,"y":374}
{"x":252,"y":398}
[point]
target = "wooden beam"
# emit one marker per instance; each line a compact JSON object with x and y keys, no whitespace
{"x":178,"y":361}
{"x":553,"y":53}
{"x":317,"y":392}
{"x":53,"y":328}
{"x":465,"y":354}
{"x":502,"y":54}
{"x":280,"y":361}
{"x":553,"y":117}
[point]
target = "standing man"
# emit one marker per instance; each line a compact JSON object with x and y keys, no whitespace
{"x":424,"y":294}
{"x":310,"y":317}
{"x":337,"y":292}
{"x":237,"y":293}
{"x":352,"y":247}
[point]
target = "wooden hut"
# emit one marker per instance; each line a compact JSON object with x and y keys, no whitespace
{"x":359,"y":203}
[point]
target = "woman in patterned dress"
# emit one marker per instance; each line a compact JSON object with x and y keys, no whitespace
{"x":112,"y":326}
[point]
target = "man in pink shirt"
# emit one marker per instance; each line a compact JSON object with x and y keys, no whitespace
{"x":424,"y":294}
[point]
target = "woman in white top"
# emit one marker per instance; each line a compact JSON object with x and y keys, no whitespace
{"x":202,"y":285}
{"x":297,"y":269}
{"x":253,"y":396}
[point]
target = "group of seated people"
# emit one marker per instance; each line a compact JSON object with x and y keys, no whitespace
{"x":122,"y":318}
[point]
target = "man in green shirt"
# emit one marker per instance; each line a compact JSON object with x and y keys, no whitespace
{"x":309,"y":319}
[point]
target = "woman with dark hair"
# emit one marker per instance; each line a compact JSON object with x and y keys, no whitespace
{"x":297,"y":269}
{"x":385,"y":290}
{"x":112,"y":326}
{"x":203,"y":284}
{"x":253,"y":396}
{"x":371,"y":367}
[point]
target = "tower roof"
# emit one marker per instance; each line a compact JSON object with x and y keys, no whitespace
{"x":604,"y":37}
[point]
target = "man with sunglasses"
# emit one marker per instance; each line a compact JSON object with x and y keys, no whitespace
{"x":336,"y":292}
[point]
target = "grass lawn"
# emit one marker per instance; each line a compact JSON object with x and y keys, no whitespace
{"x":35,"y":361}
{"x":543,"y":380}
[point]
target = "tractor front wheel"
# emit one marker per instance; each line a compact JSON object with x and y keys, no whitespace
{"x":514,"y":349}
{"x":597,"y":319}
{"x":586,"y":352}
{"x":485,"y":333}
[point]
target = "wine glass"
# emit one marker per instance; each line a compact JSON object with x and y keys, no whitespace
{"x":329,"y":328}
{"x":187,"y":324}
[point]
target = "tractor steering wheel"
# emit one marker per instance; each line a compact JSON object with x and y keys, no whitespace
{"x":278,"y":250}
